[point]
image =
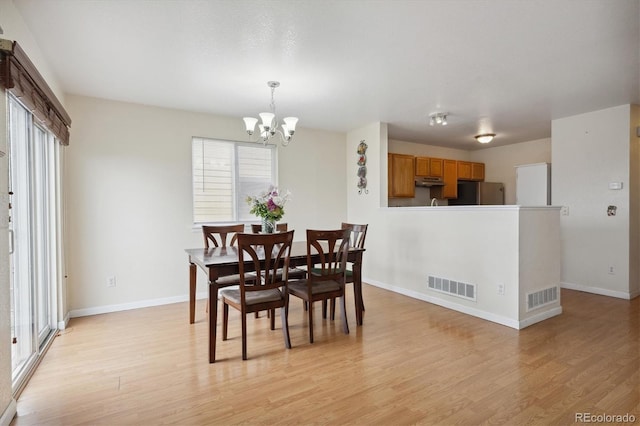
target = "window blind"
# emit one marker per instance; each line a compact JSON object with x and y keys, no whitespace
{"x":19,"y":76}
{"x":224,"y":174}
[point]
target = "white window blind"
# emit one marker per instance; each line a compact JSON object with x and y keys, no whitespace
{"x":224,"y":174}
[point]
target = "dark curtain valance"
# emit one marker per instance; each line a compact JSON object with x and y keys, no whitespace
{"x":19,"y":76}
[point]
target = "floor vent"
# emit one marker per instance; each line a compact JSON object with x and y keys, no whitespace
{"x":542,"y":298}
{"x":452,"y":288}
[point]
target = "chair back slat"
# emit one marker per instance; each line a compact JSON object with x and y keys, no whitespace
{"x":217,"y":235}
{"x":358,"y":233}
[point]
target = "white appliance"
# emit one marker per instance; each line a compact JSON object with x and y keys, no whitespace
{"x":533,"y":184}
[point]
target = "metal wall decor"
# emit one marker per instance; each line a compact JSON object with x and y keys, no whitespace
{"x":362,"y":170}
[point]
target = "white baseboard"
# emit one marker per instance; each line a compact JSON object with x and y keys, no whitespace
{"x":9,"y":413}
{"x":75,"y":313}
{"x":448,"y":304}
{"x":541,"y":316}
{"x":64,"y":323}
{"x":598,"y":290}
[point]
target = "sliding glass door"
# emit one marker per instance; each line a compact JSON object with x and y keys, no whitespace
{"x":34,"y":229}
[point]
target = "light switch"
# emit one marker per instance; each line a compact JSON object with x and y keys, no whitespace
{"x":615,"y":185}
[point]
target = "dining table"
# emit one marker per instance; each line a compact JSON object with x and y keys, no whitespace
{"x":222,"y":261}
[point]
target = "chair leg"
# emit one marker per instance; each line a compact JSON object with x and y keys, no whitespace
{"x":257,"y":314}
{"x":225,"y":319}
{"x":343,"y":308}
{"x":310,"y":311}
{"x":284,"y":314}
{"x":305,"y":305}
{"x":333,"y":309}
{"x":244,"y":336}
{"x":324,"y":309}
{"x":272,"y":314}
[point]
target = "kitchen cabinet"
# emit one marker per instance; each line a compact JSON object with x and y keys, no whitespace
{"x":464,"y":170}
{"x":468,"y":170}
{"x":450,"y":179}
{"x":477,"y":171}
{"x":429,"y":167}
{"x":401,"y":176}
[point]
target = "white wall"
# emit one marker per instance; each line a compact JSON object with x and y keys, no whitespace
{"x":500,"y":162}
{"x":14,"y":29}
{"x":589,"y":151}
{"x":129,"y":193}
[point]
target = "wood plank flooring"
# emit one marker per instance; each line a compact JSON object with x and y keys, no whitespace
{"x":411,"y":363}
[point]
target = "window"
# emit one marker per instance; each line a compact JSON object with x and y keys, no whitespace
{"x":224,"y":174}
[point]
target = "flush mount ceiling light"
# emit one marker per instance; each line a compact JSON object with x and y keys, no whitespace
{"x":485,"y":138}
{"x":438,"y":118}
{"x":269,"y":126}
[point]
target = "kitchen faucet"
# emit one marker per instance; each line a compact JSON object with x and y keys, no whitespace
{"x":434,"y":202}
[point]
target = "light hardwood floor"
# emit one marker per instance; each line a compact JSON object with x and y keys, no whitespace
{"x":411,"y":363}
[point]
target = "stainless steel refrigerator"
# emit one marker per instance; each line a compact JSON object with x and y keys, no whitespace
{"x":479,"y":193}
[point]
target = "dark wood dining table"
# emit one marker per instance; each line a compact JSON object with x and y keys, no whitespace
{"x":220,"y":261}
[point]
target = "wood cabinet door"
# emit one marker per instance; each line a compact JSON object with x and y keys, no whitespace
{"x":450,"y":189}
{"x":422,"y":166}
{"x":435,"y":167}
{"x":403,"y":172}
{"x":477,"y":171}
{"x":464,"y":170}
{"x":450,"y":179}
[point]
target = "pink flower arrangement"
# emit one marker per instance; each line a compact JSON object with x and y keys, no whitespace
{"x":269,"y":205}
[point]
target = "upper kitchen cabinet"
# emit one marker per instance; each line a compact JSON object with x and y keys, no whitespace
{"x":470,"y":171}
{"x":477,"y":171}
{"x":450,"y":179}
{"x":401,"y":176}
{"x":429,"y":167}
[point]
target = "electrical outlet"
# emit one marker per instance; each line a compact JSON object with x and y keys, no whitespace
{"x":564,"y":210}
{"x":612,"y":270}
{"x":111,"y":281}
{"x":501,"y":289}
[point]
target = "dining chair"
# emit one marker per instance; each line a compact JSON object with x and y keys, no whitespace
{"x":217,"y":236}
{"x":294,"y":273}
{"x":327,"y":251}
{"x":357,"y":235}
{"x":270,"y":291}
{"x":257,"y":227}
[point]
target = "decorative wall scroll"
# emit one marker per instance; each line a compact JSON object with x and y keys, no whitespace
{"x":362,"y":170}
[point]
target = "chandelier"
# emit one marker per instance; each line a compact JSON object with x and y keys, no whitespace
{"x":268,"y":128}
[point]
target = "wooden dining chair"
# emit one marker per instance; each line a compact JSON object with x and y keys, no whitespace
{"x":357,"y":235}
{"x":217,"y":236}
{"x":294,"y":273}
{"x":270,"y":291}
{"x":327,"y":251}
{"x":257,"y":227}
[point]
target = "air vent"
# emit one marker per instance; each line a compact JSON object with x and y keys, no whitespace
{"x":542,"y":298}
{"x":452,"y":288}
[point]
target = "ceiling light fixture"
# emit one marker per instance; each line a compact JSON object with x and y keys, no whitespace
{"x":269,"y":126}
{"x":485,"y":138}
{"x":438,"y":118}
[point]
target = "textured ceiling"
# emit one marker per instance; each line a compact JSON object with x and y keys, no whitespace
{"x":502,"y":66}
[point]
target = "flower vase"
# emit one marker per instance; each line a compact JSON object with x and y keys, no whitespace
{"x":268,"y":226}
